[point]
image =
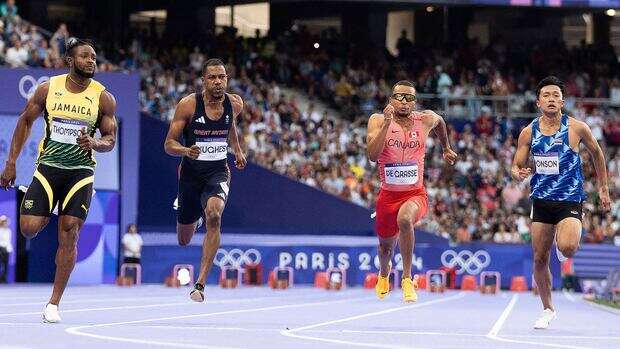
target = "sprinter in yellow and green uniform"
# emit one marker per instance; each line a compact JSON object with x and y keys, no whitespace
{"x":74,"y":107}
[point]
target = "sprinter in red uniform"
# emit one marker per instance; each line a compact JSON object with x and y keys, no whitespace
{"x":396,"y":140}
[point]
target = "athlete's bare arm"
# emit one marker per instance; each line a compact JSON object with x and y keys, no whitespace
{"x":586,"y":136}
{"x":436,"y":123}
{"x":378,"y":125}
{"x":233,"y":137}
{"x":107,"y":127}
{"x":518,"y":170}
{"x":34,"y":108}
{"x":182,"y":115}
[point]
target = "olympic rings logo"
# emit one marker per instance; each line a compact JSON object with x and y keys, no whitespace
{"x":28,"y":84}
{"x":466,"y":261}
{"x":236,"y":257}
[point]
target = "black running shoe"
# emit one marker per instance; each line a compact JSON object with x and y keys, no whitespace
{"x":197,"y":294}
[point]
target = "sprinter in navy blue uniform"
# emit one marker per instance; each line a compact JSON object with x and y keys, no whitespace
{"x":206,"y":121}
{"x":553,"y":141}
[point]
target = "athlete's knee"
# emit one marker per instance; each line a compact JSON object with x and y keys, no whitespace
{"x":405,"y":222}
{"x":184,"y":235}
{"x":183,"y":239}
{"x":30,"y":228}
{"x":568,"y":249}
{"x":213,"y":218}
{"x":69,"y":233}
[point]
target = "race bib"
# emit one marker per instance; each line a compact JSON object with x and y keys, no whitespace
{"x":401,"y":173}
{"x":212,"y":149}
{"x":66,"y":130}
{"x":548,"y":163}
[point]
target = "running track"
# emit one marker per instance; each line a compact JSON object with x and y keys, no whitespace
{"x":302,"y":317}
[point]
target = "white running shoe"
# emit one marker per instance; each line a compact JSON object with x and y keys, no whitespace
{"x":545,"y":319}
{"x":50,"y":314}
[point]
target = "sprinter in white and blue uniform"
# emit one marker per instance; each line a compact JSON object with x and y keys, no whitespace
{"x":552,"y":140}
{"x":207,"y":123}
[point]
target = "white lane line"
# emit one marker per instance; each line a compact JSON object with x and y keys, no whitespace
{"x":416,"y":333}
{"x":291,"y":332}
{"x":382,"y":332}
{"x":91,"y":300}
{"x":497,"y":327}
{"x":566,"y":337}
{"x":502,"y":318}
{"x":78,"y":329}
{"x":568,"y":296}
{"x":209,"y":328}
{"x":124,"y":307}
{"x":419,"y":333}
{"x":187,"y":302}
{"x":246,"y":329}
{"x":535,"y":344}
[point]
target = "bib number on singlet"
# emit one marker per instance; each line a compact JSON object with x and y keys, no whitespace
{"x":401,"y":173}
{"x":212,"y":149}
{"x":547,"y":163}
{"x":66,"y":130}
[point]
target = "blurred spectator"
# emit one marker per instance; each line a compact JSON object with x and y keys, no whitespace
{"x":462,"y":234}
{"x":8,"y":16}
{"x":8,"y":9}
{"x":58,"y":40}
{"x":485,"y":123}
{"x":6,"y":247}
{"x":132,"y":245}
{"x":17,"y":55}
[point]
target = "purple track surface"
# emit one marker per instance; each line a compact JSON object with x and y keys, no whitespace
{"x":301,"y":317}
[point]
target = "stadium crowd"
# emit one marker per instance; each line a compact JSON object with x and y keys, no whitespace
{"x":474,"y":200}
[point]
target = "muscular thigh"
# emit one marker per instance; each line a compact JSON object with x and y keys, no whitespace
{"x":418,"y":206}
{"x":408,"y":210}
{"x":569,"y":231}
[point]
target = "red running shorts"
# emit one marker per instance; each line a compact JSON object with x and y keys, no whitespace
{"x":388,"y":205}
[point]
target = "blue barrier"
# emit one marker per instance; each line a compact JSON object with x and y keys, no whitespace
{"x":358,"y":256}
{"x":593,"y":261}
